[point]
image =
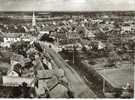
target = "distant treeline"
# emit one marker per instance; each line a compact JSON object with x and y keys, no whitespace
{"x":10,"y":20}
{"x":55,"y":13}
{"x":42,"y":16}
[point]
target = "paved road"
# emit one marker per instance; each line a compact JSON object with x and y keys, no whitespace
{"x":77,"y":84}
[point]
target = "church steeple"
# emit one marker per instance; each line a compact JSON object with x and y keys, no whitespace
{"x":33,"y":20}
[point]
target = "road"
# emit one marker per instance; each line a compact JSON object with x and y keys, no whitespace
{"x":77,"y":84}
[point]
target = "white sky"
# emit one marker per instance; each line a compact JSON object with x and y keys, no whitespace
{"x":66,"y":5}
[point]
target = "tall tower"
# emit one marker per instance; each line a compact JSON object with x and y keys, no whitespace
{"x":33,"y":20}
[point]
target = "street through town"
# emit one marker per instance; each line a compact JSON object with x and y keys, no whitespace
{"x":77,"y":84}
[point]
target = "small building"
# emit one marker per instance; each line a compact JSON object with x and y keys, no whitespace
{"x":46,"y":62}
{"x":73,"y":35}
{"x":126,"y":29}
{"x":89,"y":34}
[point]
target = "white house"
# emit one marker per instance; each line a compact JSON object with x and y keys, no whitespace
{"x":16,"y":81}
{"x":12,"y":73}
{"x":126,"y":28}
{"x":10,"y":40}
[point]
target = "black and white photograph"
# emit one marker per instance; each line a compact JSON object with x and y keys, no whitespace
{"x":67,"y":49}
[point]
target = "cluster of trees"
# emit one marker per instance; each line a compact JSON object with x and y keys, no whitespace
{"x":20,"y":47}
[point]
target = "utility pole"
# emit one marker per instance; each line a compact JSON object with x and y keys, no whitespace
{"x":104,"y":83}
{"x":73,"y":57}
{"x":74,"y":54}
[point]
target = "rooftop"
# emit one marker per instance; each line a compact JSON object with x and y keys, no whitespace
{"x":16,"y":81}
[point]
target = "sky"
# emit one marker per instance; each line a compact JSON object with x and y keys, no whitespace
{"x":67,"y":5}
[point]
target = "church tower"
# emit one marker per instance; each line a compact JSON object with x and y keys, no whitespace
{"x":33,"y":20}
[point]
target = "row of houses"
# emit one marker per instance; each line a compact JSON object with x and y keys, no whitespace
{"x":8,"y":38}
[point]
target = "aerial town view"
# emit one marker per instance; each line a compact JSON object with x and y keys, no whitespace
{"x":48,"y":54}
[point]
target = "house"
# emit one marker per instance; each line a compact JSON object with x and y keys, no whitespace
{"x":15,"y":70}
{"x":126,"y":28}
{"x":17,"y":87}
{"x":73,"y":35}
{"x":48,"y":79}
{"x":71,"y":47}
{"x":13,"y":73}
{"x":12,"y":37}
{"x":17,"y":81}
{"x":70,"y":38}
{"x":101,"y":45}
{"x":89,"y":34}
{"x":16,"y":58}
{"x":9,"y":38}
{"x":96,"y":21}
